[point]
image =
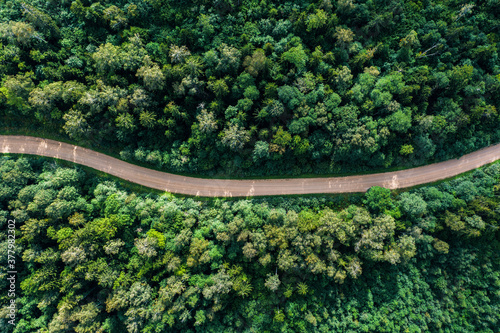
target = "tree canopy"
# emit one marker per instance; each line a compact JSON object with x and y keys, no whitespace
{"x":94,"y":256}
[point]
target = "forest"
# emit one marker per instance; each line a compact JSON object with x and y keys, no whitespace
{"x":250,"y":88}
{"x":255,"y":88}
{"x":95,"y":256}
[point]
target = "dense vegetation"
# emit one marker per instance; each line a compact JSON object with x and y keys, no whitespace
{"x":95,"y":257}
{"x":244,"y":87}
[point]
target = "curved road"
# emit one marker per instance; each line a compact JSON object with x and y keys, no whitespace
{"x":242,"y":188}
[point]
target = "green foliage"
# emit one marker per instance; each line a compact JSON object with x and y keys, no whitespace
{"x":378,"y":200}
{"x":253,"y":88}
{"x":296,"y":56}
{"x":117,"y":257}
{"x":406,"y":150}
{"x":413,"y":205}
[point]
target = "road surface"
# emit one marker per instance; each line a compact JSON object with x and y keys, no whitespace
{"x":244,"y":188}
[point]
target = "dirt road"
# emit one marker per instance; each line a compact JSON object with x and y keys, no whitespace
{"x":243,"y":188}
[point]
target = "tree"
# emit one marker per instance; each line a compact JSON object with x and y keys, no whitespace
{"x":205,"y":21}
{"x":147,"y":119}
{"x":125,"y":121}
{"x":178,"y":54}
{"x":229,"y":60}
{"x":441,"y":246}
{"x":22,"y":33}
{"x":54,"y":97}
{"x":235,"y":137}
{"x":316,"y":20}
{"x":379,"y":200}
{"x":261,"y":151}
{"x":109,"y":58}
{"x":274,"y":108}
{"x":406,"y":150}
{"x":460,"y":76}
{"x":16,"y":89}
{"x":296,"y":56}
{"x":272,"y":282}
{"x":251,"y":93}
{"x":343,"y":78}
{"x":464,"y":10}
{"x":151,"y":74}
{"x":290,"y":96}
{"x":193,"y":66}
{"x":281,"y":140}
{"x":114,"y":246}
{"x":146,"y":247}
{"x":255,"y":63}
{"x":344,"y":37}
{"x":218,"y":87}
{"x":306,"y":83}
{"x":412,"y":204}
{"x":407,"y":43}
{"x":87,"y":315}
{"x":221,"y":284}
{"x":400,"y":121}
{"x":140,"y":100}
{"x":41,"y":21}
{"x":134,"y":53}
{"x":207,"y":122}
{"x":76,"y":125}
{"x":74,"y":256}
{"x":116,"y":17}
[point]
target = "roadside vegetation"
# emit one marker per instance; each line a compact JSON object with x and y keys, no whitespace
{"x":96,"y":257}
